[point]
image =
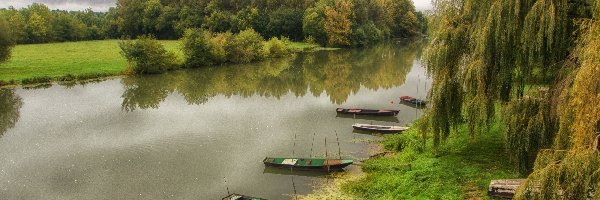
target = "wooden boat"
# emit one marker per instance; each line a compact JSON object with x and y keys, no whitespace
{"x":413,"y":101}
{"x":240,"y":197}
{"x":379,"y":128}
{"x":393,"y":119}
{"x":353,"y":111}
{"x":318,"y":164}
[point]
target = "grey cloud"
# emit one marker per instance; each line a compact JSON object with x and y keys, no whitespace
{"x":96,"y":5}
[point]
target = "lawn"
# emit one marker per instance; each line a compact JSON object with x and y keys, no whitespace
{"x":74,"y":58}
{"x":459,"y":169}
{"x":78,"y":60}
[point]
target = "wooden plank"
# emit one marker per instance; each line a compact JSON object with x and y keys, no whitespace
{"x":504,"y":188}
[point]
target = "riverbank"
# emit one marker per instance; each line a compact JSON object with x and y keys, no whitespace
{"x":459,"y":169}
{"x":69,"y":61}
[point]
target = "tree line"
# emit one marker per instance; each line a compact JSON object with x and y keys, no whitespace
{"x":327,"y":22}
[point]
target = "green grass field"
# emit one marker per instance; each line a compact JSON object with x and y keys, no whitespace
{"x":74,"y":58}
{"x":77,"y":60}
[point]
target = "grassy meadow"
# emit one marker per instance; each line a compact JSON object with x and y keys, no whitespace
{"x":459,"y":169}
{"x":34,"y":63}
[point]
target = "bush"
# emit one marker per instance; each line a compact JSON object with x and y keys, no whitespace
{"x":275,"y":48}
{"x":245,"y":47}
{"x":147,"y":56}
{"x":218,"y":43}
{"x":197,"y":48}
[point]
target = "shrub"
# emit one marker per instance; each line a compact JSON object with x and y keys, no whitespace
{"x":245,"y":47}
{"x":218,"y":43}
{"x":275,"y":48}
{"x":197,"y":48}
{"x":147,"y":56}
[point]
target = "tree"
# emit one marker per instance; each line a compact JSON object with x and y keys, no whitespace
{"x":285,"y":22}
{"x":131,"y":17}
{"x":147,"y":56}
{"x":6,"y":41}
{"x":196,"y":48}
{"x":337,"y":23}
{"x":17,"y":25}
{"x":314,"y":21}
{"x":245,"y":47}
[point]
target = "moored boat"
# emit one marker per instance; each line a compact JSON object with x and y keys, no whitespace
{"x":353,"y":111}
{"x":379,"y":128}
{"x":413,"y":101}
{"x":241,"y":197}
{"x":318,"y":164}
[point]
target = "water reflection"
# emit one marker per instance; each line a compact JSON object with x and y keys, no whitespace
{"x":10,"y":103}
{"x":338,"y":74}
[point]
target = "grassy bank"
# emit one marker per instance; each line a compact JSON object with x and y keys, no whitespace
{"x":461,"y":169}
{"x":77,"y":60}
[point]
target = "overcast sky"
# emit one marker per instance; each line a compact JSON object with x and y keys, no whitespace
{"x":103,"y":5}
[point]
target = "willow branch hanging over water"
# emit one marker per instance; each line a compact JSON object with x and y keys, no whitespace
{"x":482,"y":50}
{"x":484,"y":54}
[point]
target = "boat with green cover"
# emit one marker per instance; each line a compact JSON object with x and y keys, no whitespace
{"x":241,"y":197}
{"x":318,"y":164}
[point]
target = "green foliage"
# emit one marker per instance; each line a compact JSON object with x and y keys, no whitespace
{"x":6,"y":41}
{"x":147,"y":56}
{"x":197,"y":48}
{"x":275,"y":48}
{"x":485,"y":52}
{"x":245,"y":47}
{"x":286,"y":22}
{"x":530,"y":127}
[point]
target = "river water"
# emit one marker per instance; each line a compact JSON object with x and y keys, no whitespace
{"x":195,"y":134}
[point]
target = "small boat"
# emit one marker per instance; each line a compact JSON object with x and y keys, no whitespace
{"x":353,"y":111}
{"x":393,"y":119}
{"x":379,"y":128}
{"x":318,"y":164}
{"x":240,"y":197}
{"x":413,"y":101}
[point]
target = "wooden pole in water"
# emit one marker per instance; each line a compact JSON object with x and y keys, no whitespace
{"x":294,"y":148}
{"x":312,"y":144}
{"x":325,"y":147}
{"x":339,"y":149}
{"x":224,"y":178}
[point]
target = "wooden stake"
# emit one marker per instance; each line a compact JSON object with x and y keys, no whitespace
{"x":339,"y":149}
{"x":325,"y":147}
{"x":226,"y":186}
{"x":312,"y":144}
{"x":294,"y":148}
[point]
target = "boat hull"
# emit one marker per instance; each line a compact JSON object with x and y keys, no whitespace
{"x":367,"y":112}
{"x":241,"y":197}
{"x":379,"y":129}
{"x":300,"y":164}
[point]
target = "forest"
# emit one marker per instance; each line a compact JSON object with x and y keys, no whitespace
{"x":328,"y":22}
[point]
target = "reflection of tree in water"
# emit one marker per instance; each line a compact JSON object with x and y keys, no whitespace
{"x":10,"y":104}
{"x":337,"y":73}
{"x":147,"y":91}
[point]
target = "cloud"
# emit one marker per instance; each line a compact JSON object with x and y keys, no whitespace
{"x":103,"y":5}
{"x":96,"y":5}
{"x":421,"y":5}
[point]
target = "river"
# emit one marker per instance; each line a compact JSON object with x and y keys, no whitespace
{"x":199,"y":133}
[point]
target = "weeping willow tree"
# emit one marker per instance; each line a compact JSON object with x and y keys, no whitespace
{"x":485,"y":53}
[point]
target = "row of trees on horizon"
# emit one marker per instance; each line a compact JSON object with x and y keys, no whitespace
{"x":327,"y":22}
